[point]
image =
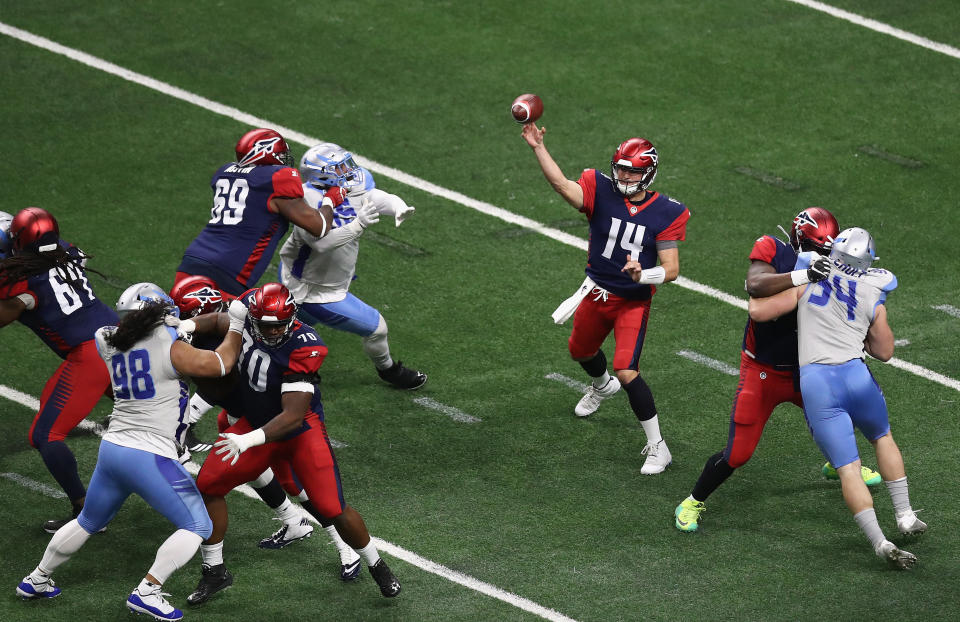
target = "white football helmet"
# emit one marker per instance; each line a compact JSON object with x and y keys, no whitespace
{"x":137,"y":296}
{"x":327,"y":165}
{"x":854,"y":247}
{"x":5,"y":220}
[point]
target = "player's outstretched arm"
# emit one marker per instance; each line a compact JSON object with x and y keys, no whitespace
{"x":316,"y":221}
{"x":879,"y":341}
{"x":570,"y":190}
{"x":772,"y":307}
{"x":295,"y":407}
{"x":191,"y":361}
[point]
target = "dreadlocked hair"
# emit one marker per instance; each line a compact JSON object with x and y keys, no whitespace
{"x":26,"y":264}
{"x":136,"y":325}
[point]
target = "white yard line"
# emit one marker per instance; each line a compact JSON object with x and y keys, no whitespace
{"x":880,"y":27}
{"x":399,"y":552}
{"x":410,"y":180}
{"x":948,"y":309}
{"x":454,"y":413}
{"x":580,"y":387}
{"x":709,"y":362}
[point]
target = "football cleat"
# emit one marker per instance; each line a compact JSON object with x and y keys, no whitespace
{"x":899,"y":558}
{"x":687,"y":514}
{"x":193,"y":443}
{"x":658,"y":458}
{"x":909,"y":524}
{"x":590,"y":401}
{"x":870,"y":477}
{"x":349,"y":571}
{"x":389,"y":586}
{"x":153,"y":604}
{"x":29,"y":588}
{"x":288,"y":534}
{"x":213,"y":580}
{"x":403,"y":377}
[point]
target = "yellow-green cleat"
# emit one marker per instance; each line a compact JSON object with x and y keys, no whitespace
{"x":687,"y":514}
{"x":870,"y":477}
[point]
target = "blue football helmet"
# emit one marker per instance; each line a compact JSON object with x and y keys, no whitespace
{"x":5,"y":220}
{"x":854,"y":247}
{"x":327,"y":165}
{"x":137,"y":296}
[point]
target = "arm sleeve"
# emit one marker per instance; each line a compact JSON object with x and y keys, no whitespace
{"x":588,"y":182}
{"x":337,"y":237}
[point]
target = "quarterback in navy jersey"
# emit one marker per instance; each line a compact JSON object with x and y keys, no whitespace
{"x":254,"y":200}
{"x":631,"y":229}
{"x":281,"y":420}
{"x":43,"y":285}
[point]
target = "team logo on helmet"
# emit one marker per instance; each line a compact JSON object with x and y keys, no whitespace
{"x":803,"y":218}
{"x":261,"y":148}
{"x":204,"y":296}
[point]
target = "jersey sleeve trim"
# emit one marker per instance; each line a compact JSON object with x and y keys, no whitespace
{"x":764,"y":249}
{"x":296,"y":387}
{"x":677,"y":230}
{"x":588,"y":183}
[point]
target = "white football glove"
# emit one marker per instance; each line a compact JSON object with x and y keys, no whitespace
{"x":232,"y":445}
{"x":184,"y":328}
{"x":238,"y":315}
{"x":367,"y":213}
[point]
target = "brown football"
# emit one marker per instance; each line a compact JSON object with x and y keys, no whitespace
{"x":527,"y":108}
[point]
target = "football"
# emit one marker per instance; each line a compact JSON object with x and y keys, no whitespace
{"x":527,"y":108}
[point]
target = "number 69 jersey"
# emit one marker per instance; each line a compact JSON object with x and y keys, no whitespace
{"x":63,"y":314}
{"x":238,"y":241}
{"x":834,"y":315}
{"x":268,"y":372}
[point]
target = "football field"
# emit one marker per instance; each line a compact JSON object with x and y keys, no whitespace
{"x":488,"y":497}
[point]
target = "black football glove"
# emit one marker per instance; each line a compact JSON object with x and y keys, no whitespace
{"x":819,"y":270}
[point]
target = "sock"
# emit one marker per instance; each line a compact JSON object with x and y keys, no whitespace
{"x":369,"y":554}
{"x":198,"y":406}
{"x":641,"y":401}
{"x":62,"y":545}
{"x":347,"y":554}
{"x":596,"y":367}
{"x":714,"y":473}
{"x":62,"y":465}
{"x":146,"y":587}
{"x":212,"y":554}
{"x":288,"y":513}
{"x":899,"y":495}
{"x":651,"y":427}
{"x":375,"y":346}
{"x":174,"y":553}
{"x":867,"y":520}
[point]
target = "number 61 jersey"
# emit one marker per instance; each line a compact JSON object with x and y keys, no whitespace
{"x":834,"y":315}
{"x":235,"y":247}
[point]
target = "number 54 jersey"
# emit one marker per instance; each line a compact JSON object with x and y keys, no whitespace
{"x":834,"y":315}
{"x":235,"y":247}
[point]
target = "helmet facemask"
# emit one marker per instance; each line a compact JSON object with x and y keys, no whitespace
{"x":327,"y":165}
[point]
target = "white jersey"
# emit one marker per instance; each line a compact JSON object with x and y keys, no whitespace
{"x":319,"y":270}
{"x":150,"y":398}
{"x":834,"y":315}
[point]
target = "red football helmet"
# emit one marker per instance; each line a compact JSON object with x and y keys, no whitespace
{"x":814,"y":229}
{"x":263,"y":146}
{"x":34,"y":229}
{"x":635,"y":155}
{"x":273,"y":312}
{"x":197,"y":295}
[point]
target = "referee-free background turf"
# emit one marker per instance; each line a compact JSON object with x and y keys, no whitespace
{"x":758,"y":109}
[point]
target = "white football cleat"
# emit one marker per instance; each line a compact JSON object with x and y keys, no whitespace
{"x":31,"y":588}
{"x":590,"y":401}
{"x":899,"y":558}
{"x":658,"y":458}
{"x":909,"y":524}
{"x":153,"y":604}
{"x":288,"y":534}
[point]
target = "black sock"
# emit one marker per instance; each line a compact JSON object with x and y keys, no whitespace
{"x":641,"y":398}
{"x":62,"y":465}
{"x":715,"y":472}
{"x":312,"y":509}
{"x":596,"y":366}
{"x":272,"y":494}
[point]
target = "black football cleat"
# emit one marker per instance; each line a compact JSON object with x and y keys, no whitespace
{"x":214,"y":579}
{"x":389,"y":586}
{"x":193,"y":443}
{"x":403,"y":377}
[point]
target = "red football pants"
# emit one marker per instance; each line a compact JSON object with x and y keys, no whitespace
{"x":595,"y":318}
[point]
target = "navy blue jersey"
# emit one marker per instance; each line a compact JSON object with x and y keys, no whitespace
{"x":773,"y":343}
{"x":257,"y":395}
{"x":61,"y":313}
{"x":619,"y":227}
{"x":236,"y":246}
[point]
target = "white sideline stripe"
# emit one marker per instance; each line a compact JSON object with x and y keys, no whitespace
{"x":33,"y":484}
{"x":948,"y":309}
{"x":880,"y":27}
{"x":901,"y":342}
{"x":410,"y":180}
{"x":397,"y":551}
{"x":454,"y":413}
{"x":709,"y":362}
{"x":570,"y":382}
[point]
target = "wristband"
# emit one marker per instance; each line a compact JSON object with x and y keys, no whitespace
{"x":799,"y":277}
{"x":252,"y":439}
{"x":652,"y":276}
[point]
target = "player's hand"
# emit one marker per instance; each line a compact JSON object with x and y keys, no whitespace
{"x":367,"y":214}
{"x":632,"y":268}
{"x":819,"y":270}
{"x":184,"y":328}
{"x":533,"y":134}
{"x":238,"y":315}
{"x":232,"y":445}
{"x":334,"y":196}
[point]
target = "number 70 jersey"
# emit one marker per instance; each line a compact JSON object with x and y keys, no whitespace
{"x":834,"y":315}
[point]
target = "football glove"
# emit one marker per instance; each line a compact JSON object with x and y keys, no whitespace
{"x":238,"y":315}
{"x":232,"y":445}
{"x":334,"y":196}
{"x":819,"y":270}
{"x":367,"y":214}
